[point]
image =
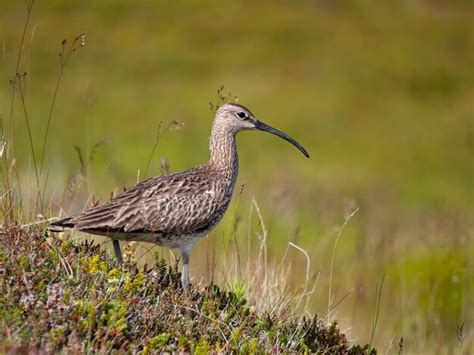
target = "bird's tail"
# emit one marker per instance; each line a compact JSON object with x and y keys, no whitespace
{"x":61,"y":225}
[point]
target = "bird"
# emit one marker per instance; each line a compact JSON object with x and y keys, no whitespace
{"x":177,"y":210}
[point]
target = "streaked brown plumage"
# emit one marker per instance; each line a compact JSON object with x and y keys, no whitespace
{"x":176,"y":210}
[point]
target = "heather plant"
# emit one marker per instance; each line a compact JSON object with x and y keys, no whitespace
{"x":57,"y":295}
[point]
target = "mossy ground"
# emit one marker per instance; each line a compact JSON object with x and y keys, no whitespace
{"x":56,"y":295}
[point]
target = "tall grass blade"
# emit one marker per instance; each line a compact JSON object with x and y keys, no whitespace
{"x":333,"y":257}
{"x":160,"y":132}
{"x":19,"y":85}
{"x":9,"y":209}
{"x":378,"y":292}
{"x":64,"y":55}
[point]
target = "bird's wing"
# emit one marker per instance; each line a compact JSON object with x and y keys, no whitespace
{"x":170,"y":204}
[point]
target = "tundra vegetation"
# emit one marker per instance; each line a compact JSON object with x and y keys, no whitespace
{"x":59,"y":295}
{"x":375,"y":231}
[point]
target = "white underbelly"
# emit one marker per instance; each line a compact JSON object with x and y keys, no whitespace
{"x":165,"y":240}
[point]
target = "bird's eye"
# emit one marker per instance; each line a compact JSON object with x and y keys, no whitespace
{"x":242,"y":114}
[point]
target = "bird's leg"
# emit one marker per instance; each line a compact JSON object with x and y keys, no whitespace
{"x":185,"y":270}
{"x":118,"y":252}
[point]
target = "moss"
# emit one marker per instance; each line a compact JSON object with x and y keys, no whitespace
{"x":56,"y":335}
{"x":159,"y":341}
{"x":94,"y":265}
{"x":3,"y":257}
{"x":133,"y":284}
{"x":79,"y":300}
{"x":202,"y":348}
{"x":253,"y":346}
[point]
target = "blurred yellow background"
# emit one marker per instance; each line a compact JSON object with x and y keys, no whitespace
{"x":380,"y":93}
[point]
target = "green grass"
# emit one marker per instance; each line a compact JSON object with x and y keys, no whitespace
{"x":380,"y":95}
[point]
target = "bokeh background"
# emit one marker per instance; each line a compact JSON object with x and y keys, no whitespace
{"x":380,"y":93}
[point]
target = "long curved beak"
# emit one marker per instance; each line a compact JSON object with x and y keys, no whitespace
{"x":264,"y":127}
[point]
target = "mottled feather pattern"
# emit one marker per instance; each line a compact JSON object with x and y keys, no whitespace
{"x":188,"y":203}
{"x":172,"y":210}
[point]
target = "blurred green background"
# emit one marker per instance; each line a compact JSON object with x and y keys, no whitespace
{"x":380,"y":93}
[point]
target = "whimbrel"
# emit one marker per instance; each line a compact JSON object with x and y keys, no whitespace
{"x":177,"y":210}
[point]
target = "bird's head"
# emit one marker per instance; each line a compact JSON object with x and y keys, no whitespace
{"x":235,"y":118}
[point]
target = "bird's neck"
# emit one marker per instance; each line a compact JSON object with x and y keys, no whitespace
{"x":224,"y":151}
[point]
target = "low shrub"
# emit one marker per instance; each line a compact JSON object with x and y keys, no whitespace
{"x":57,"y":295}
